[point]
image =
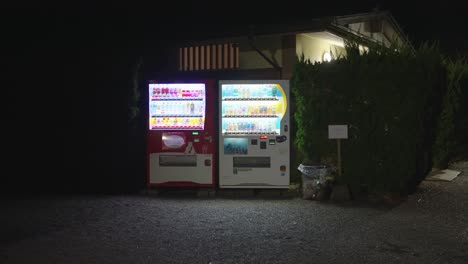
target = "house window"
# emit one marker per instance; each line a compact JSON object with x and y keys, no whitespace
{"x":209,"y":57}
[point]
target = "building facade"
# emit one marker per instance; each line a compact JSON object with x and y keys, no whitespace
{"x":272,"y":51}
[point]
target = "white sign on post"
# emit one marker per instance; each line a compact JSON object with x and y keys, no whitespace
{"x":338,"y":131}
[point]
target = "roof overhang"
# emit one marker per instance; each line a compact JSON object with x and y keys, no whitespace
{"x":333,"y":25}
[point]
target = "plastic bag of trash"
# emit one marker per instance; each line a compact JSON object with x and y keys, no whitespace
{"x":313,"y":180}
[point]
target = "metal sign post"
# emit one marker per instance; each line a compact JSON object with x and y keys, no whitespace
{"x":338,"y":132}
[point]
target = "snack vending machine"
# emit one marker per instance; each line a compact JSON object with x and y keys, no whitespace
{"x":254,"y":134}
{"x":181,"y":136}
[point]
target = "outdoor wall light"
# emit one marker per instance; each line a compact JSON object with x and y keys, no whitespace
{"x":326,"y":56}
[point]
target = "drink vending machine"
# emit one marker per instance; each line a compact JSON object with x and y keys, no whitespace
{"x":181,"y":134}
{"x":254,"y":134}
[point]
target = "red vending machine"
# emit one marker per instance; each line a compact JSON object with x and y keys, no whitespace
{"x":181,"y":136}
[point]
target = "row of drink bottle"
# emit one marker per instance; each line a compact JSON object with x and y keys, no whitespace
{"x":162,"y":122}
{"x":174,"y":92}
{"x":264,"y":91}
{"x":262,"y":126}
{"x":230,"y":109}
{"x":177,"y":108}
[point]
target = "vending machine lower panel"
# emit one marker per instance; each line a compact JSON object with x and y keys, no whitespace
{"x":178,"y":169}
{"x":254,"y":172}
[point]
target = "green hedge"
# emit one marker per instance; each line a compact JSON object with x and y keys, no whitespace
{"x":452,"y":140}
{"x":390,"y":101}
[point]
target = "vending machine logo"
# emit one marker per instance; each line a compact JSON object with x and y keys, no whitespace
{"x":173,"y":140}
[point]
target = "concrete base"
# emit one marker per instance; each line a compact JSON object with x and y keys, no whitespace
{"x":227,"y":193}
{"x":205,"y":193}
{"x":236,"y":193}
{"x":269,"y":193}
{"x":256,"y":193}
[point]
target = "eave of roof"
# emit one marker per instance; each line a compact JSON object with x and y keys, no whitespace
{"x":331,"y":23}
{"x":277,"y":29}
{"x":362,"y":17}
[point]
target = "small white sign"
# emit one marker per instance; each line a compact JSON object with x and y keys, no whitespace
{"x":337,"y":131}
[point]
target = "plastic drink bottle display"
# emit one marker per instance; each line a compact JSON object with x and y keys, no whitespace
{"x":168,"y":108}
{"x":192,"y":108}
{"x":152,"y":109}
{"x":174,"y":108}
{"x":162,"y":108}
{"x":200,"y":108}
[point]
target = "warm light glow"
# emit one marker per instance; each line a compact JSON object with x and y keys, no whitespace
{"x":327,"y":56}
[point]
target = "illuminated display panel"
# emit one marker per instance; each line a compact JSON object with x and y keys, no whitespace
{"x":252,"y":108}
{"x":177,"y":106}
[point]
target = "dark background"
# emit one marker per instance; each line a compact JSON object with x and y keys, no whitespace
{"x":68,"y":71}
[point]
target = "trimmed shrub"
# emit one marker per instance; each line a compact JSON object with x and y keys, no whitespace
{"x":390,"y":100}
{"x":451,"y":142}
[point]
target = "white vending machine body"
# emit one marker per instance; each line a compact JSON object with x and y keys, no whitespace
{"x":254,"y":146}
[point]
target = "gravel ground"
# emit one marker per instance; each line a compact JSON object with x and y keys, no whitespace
{"x":430,"y":227}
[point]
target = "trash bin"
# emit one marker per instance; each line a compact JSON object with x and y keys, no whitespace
{"x":313,"y":180}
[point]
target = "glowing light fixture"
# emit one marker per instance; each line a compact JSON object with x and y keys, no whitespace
{"x":327,"y":56}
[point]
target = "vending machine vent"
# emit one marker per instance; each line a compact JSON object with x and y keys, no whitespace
{"x":252,"y":162}
{"x":178,"y":160}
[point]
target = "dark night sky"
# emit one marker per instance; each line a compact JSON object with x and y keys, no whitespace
{"x":69,"y":68}
{"x":79,"y":24}
{"x":68,"y":31}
